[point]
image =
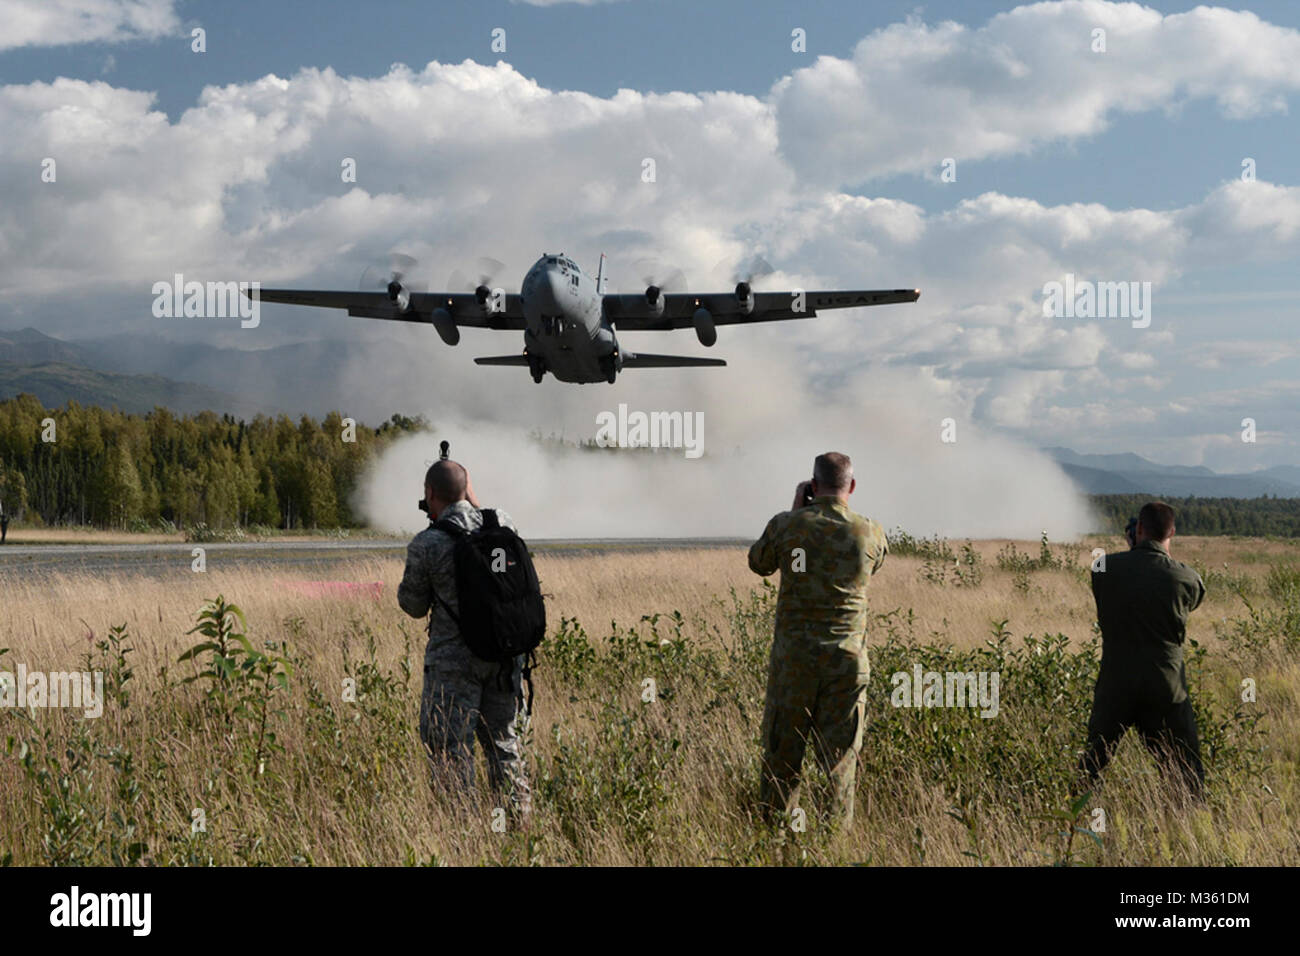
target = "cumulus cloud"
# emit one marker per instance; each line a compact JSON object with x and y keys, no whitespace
{"x":67,"y":22}
{"x":914,"y":94}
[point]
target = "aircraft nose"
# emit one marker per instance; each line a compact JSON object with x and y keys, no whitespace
{"x":556,"y":285}
{"x":547,"y":290}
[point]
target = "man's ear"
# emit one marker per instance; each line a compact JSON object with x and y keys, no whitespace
{"x":853,"y":484}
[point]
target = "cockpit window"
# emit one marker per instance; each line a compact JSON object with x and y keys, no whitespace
{"x":550,"y":261}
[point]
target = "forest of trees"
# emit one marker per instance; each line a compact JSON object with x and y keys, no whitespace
{"x":110,"y":469}
{"x":1244,"y":516}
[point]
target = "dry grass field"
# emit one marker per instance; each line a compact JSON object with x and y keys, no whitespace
{"x":296,"y":774}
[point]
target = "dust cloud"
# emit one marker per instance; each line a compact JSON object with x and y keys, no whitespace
{"x":765,"y":417}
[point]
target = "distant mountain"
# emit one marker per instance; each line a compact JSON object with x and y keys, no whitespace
{"x":1124,"y":462}
{"x":56,"y":383}
{"x":1129,"y":474}
{"x":1287,"y":473}
{"x":1096,"y":481}
{"x":303,"y":378}
{"x":31,"y":347}
{"x":297,"y":379}
{"x":139,"y":368}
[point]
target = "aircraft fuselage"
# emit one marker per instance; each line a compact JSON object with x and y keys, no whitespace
{"x":566,"y":333}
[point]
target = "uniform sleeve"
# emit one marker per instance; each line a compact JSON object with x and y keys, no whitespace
{"x":763,"y":558}
{"x":414,"y":594}
{"x":1198,"y":593}
{"x":882,"y":551}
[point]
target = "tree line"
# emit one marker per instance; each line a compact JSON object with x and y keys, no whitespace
{"x":1253,"y":517}
{"x":84,"y":465}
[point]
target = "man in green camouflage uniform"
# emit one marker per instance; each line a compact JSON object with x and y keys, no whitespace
{"x":1143,"y":600}
{"x":464,"y":696}
{"x":817,"y":679}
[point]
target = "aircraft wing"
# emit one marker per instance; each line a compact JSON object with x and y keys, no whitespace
{"x":465,"y":309}
{"x":633,"y":313}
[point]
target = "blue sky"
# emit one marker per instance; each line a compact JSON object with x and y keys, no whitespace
{"x":1123,"y":166}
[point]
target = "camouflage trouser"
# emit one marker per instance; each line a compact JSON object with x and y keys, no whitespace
{"x":814,"y":691}
{"x":466,"y":697}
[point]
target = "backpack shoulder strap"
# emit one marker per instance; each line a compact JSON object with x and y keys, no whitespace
{"x":455,"y":532}
{"x":490,"y":521}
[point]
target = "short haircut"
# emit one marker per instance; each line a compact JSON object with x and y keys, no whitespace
{"x":1157,"y":519}
{"x":833,"y":471}
{"x":447,"y":479}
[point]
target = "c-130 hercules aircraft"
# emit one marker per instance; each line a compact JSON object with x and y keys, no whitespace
{"x":569,"y":321}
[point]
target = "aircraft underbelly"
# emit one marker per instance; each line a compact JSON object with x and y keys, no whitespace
{"x":570,"y":358}
{"x":571,"y":353}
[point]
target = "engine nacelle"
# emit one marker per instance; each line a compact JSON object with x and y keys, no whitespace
{"x":705,"y":330}
{"x":654,"y":300}
{"x":399,"y":296}
{"x":490,"y":300}
{"x":744,"y":298}
{"x":446,"y":326}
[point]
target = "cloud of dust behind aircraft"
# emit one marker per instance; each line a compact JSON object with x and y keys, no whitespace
{"x":759,"y":442}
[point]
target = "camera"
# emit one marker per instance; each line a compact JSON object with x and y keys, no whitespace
{"x":1131,"y":531}
{"x":444,"y":452}
{"x":808,"y":496}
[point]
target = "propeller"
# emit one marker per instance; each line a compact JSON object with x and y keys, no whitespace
{"x":743,"y":274}
{"x":487,"y":270}
{"x":656,"y":272}
{"x":745,"y":271}
{"x":658,"y":276}
{"x":394,"y":279}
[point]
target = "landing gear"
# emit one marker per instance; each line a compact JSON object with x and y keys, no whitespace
{"x":537,"y":368}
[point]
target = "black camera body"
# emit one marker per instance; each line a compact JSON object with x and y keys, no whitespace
{"x":1130,"y":532}
{"x":444,"y":452}
{"x":808,"y":496}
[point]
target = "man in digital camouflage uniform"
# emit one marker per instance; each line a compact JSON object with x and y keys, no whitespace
{"x":1143,"y":599}
{"x":463,"y":696}
{"x":817,"y":679}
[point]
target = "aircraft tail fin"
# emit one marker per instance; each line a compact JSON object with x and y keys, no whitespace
{"x":502,"y":360}
{"x":647,"y":360}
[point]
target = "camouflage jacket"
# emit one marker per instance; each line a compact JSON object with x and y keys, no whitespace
{"x":826,"y":555}
{"x":430,"y":568}
{"x":1143,"y":600}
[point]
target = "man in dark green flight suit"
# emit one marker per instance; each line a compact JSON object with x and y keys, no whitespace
{"x":1143,"y":600}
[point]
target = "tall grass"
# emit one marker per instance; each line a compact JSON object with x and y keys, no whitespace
{"x":282,"y":731}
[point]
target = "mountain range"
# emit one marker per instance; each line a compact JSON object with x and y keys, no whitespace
{"x":1130,"y":474}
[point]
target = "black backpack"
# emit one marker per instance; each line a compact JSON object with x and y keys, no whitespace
{"x":502,"y":614}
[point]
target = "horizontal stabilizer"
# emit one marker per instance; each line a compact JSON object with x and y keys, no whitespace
{"x":646,"y":360}
{"x":502,"y":360}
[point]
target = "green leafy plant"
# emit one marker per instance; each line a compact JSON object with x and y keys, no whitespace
{"x":242,"y":681}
